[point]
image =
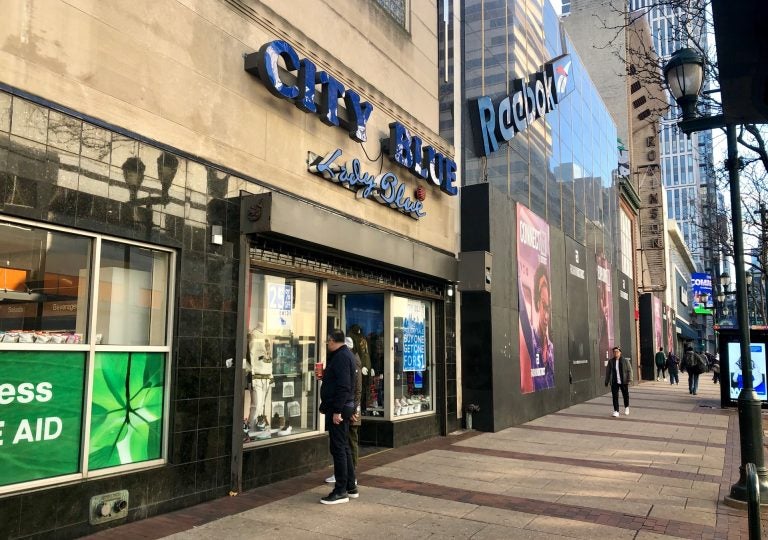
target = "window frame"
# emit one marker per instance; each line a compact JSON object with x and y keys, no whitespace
{"x":90,"y":348}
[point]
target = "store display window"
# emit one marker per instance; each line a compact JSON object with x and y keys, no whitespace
{"x":363,"y":317}
{"x":84,"y":333}
{"x":280,"y":390}
{"x":413,"y":356}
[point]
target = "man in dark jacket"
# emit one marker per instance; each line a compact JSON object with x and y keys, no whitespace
{"x":338,"y":405}
{"x":661,"y":365}
{"x":693,"y":366}
{"x":618,"y":373}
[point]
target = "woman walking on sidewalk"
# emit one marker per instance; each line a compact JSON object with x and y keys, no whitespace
{"x":618,"y":373}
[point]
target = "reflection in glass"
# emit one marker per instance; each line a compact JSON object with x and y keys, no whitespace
{"x":413,"y":356}
{"x":363,"y":318}
{"x":132,"y":303}
{"x":280,"y":361}
{"x":43,"y":285}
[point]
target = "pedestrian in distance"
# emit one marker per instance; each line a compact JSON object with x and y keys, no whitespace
{"x":673,"y":366}
{"x":695,"y":365}
{"x":716,"y":370}
{"x":337,"y":403}
{"x":661,"y":365}
{"x":618,"y":373}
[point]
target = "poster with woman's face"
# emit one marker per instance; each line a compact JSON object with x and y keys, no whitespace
{"x":757,"y":352}
{"x":658,"y":331}
{"x":605,"y":338}
{"x":537,"y":355}
{"x":670,"y":330}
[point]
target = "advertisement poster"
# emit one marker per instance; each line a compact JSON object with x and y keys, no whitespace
{"x":702,"y":293}
{"x":605,"y":337}
{"x":578,"y":310}
{"x":537,"y":354}
{"x":414,"y":338}
{"x":41,"y":411}
{"x":280,"y":304}
{"x":757,"y":351}
{"x":626,"y":314}
{"x":127,"y":409}
{"x":671,"y":328}
{"x":658,"y":332}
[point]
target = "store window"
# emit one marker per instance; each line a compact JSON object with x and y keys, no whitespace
{"x":53,"y":293}
{"x":413,"y":356}
{"x":363,"y":317}
{"x":44,"y":279}
{"x":280,"y":393}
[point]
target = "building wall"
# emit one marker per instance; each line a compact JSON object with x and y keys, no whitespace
{"x":562,"y":168}
{"x":175,"y":74}
{"x":91,"y":83}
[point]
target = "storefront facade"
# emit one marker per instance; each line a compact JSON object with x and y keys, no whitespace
{"x":541,"y":191}
{"x":190,"y":204}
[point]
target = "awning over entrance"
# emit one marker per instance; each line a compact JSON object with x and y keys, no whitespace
{"x":685,"y":330}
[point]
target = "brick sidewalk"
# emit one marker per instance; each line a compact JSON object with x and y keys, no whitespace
{"x":659,"y":473}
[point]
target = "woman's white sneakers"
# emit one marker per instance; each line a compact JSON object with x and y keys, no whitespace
{"x":626,"y":411}
{"x":615,"y":414}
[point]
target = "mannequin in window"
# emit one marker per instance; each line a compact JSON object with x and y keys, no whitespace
{"x":361,"y":348}
{"x":260,"y":359}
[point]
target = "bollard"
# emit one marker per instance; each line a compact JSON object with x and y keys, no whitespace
{"x":753,"y":502}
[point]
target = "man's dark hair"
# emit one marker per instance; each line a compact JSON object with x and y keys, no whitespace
{"x":661,"y":349}
{"x":336,"y":335}
{"x":617,"y":348}
{"x":541,"y":272}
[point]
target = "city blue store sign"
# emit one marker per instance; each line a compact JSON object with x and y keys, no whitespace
{"x":495,"y":122}
{"x":402,"y":147}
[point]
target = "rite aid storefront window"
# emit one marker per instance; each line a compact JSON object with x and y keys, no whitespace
{"x":83,"y":355}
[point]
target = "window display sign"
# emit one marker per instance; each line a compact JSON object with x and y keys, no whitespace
{"x":757,"y":351}
{"x":702,"y":293}
{"x":280,"y":303}
{"x":41,"y":408}
{"x":414,"y":338}
{"x":127,"y":410}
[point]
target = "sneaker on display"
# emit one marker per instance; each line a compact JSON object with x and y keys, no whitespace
{"x":285,"y":431}
{"x":615,"y":413}
{"x":626,"y":411}
{"x":353,"y":493}
{"x":330,"y":480}
{"x":263,"y":435}
{"x":335,"y":498}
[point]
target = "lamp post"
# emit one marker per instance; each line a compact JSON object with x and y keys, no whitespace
{"x":684,"y":74}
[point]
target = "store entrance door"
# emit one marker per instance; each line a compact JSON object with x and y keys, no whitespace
{"x":358,"y":311}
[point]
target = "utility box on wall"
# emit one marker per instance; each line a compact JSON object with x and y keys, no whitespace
{"x":475,"y":271}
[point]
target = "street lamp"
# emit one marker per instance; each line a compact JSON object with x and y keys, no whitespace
{"x":684,"y":74}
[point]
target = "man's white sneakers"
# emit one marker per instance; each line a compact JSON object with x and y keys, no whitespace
{"x":615,"y":414}
{"x":330,"y":480}
{"x":626,"y":411}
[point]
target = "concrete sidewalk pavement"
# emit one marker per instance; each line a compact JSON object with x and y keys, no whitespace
{"x":660,"y":472}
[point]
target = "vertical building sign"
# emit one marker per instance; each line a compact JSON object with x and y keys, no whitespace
{"x":578,"y":310}
{"x":652,"y":258}
{"x":605,"y":337}
{"x":537,"y":354}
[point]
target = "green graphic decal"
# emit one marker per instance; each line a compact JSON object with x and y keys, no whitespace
{"x":127,"y":409}
{"x":41,"y":407}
